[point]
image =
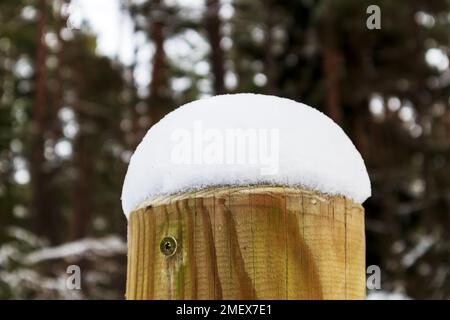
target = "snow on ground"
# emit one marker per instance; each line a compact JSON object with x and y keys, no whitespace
{"x":244,"y":139}
{"x":107,"y":246}
{"x":385,"y":295}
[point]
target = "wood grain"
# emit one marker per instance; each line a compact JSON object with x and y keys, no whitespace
{"x":248,"y":243}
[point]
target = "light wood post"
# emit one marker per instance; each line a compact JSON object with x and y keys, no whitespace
{"x":247,"y":243}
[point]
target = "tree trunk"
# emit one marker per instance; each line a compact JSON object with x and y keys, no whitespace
{"x":41,"y":207}
{"x":158,"y":79}
{"x":212,"y":24}
{"x":331,"y":59}
{"x":269,"y":58}
{"x":82,"y":191}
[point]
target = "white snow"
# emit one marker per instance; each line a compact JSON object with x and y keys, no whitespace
{"x":422,"y":247}
{"x":385,"y":295}
{"x":244,"y":139}
{"x":107,"y":246}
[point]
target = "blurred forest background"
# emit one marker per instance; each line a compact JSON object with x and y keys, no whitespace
{"x":70,"y":117}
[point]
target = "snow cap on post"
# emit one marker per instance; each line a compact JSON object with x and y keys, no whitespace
{"x":244,"y":139}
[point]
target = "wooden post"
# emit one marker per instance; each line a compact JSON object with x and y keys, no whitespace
{"x":247,"y":243}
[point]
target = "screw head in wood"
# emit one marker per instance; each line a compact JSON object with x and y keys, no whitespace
{"x":168,"y":246}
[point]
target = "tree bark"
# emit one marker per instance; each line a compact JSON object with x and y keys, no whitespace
{"x":331,"y":59}
{"x":213,"y":24}
{"x":41,"y":207}
{"x":269,"y":58}
{"x":82,"y":191}
{"x":157,"y":83}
